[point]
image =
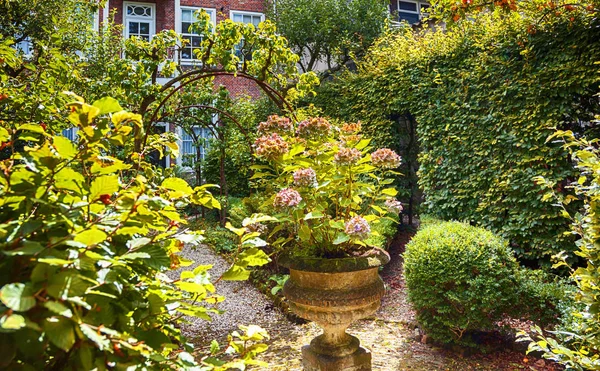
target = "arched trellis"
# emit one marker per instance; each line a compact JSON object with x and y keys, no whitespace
{"x":213,"y":127}
{"x":198,"y":75}
{"x":190,"y":77}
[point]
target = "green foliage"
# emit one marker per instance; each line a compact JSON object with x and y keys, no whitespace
{"x":485,"y":96}
{"x":325,"y":184}
{"x":86,"y":240}
{"x":332,"y":32}
{"x":576,"y":345}
{"x":462,"y":279}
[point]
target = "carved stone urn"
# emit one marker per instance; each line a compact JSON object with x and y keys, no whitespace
{"x":334,"y":293}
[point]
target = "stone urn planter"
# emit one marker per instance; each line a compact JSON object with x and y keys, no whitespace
{"x":334,"y":293}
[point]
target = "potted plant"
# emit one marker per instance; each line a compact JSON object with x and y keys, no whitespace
{"x":328,"y":190}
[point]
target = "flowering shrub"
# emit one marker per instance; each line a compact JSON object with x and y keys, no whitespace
{"x":327,"y":189}
{"x":270,"y":147}
{"x":276,"y":124}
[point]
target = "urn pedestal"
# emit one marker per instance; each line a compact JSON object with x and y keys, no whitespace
{"x":334,"y":293}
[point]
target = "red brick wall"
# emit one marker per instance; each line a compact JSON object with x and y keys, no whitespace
{"x":165,"y":9}
{"x":165,"y":20}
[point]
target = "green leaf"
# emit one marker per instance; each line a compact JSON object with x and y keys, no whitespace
{"x":28,"y":248}
{"x":69,"y":179}
{"x":18,"y":296}
{"x":258,"y":218}
{"x":64,"y":147}
{"x":136,"y":243}
{"x":107,"y":105}
{"x":90,"y":237}
{"x":60,"y":332}
{"x":135,"y":256}
{"x":341,"y":238}
{"x":191,"y":287}
{"x":254,"y":257}
{"x":236,"y":273}
{"x":12,"y":322}
{"x":237,"y":231}
{"x":58,"y":308}
{"x":390,"y":192}
{"x":178,"y":187}
{"x":100,"y":340}
{"x":4,"y":135}
{"x":104,"y":185}
{"x":55,"y":261}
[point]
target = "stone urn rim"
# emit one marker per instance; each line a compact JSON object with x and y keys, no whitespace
{"x":333,"y":265}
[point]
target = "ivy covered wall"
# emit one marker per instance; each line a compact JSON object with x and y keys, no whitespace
{"x":485,"y":96}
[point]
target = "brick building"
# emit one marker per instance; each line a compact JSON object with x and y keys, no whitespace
{"x":145,"y":18}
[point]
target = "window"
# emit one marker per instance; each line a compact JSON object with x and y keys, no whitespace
{"x":188,"y":145}
{"x":412,"y":11}
{"x":188,"y":16}
{"x":246,"y":17}
{"x":70,"y":134}
{"x":139,"y":20}
{"x":25,"y":47}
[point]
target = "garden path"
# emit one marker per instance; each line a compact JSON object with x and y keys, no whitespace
{"x":389,"y":334}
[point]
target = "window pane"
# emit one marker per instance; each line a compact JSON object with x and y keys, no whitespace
{"x":145,"y":28}
{"x":185,"y":27}
{"x":133,"y":27}
{"x":196,"y":41}
{"x":409,"y":17}
{"x":186,"y":53}
{"x":247,"y":19}
{"x":404,"y":5}
{"x":238,"y":18}
{"x":186,"y":15}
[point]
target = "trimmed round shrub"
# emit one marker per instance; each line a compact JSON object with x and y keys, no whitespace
{"x":460,"y":278}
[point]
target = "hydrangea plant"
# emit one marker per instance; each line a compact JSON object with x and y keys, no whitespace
{"x":327,"y":186}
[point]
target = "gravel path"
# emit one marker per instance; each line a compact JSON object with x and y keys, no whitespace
{"x":243,"y":304}
{"x":389,"y":334}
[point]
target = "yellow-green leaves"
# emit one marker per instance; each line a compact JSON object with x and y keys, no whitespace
{"x":18,"y":296}
{"x":177,"y":187}
{"x":64,"y":147}
{"x":90,"y":237}
{"x":103,"y":185}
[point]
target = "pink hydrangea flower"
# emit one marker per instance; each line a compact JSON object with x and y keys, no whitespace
{"x":357,"y":227}
{"x":276,"y":124}
{"x":287,"y":197}
{"x":270,"y":146}
{"x":385,"y":158}
{"x":351,"y":128}
{"x":347,"y":156}
{"x":314,"y":128}
{"x":393,"y":206}
{"x":305,"y":178}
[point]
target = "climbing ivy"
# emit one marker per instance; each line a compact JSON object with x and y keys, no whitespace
{"x":485,"y":94}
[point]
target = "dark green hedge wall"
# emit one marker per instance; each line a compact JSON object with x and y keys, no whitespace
{"x":485,"y":95}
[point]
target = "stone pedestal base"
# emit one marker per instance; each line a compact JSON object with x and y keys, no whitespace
{"x":357,"y":361}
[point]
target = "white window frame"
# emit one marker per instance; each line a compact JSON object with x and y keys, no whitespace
{"x":243,"y":12}
{"x":205,"y":149}
{"x":419,"y":12}
{"x":127,"y":18}
{"x":179,"y":21}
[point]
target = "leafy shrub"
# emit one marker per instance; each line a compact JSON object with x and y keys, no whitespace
{"x":576,"y":344}
{"x":85,"y":242}
{"x":462,"y":278}
{"x":220,"y":239}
